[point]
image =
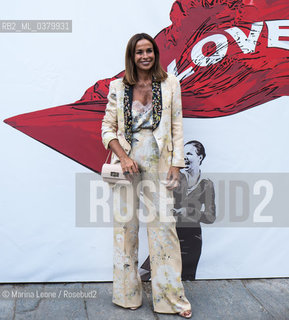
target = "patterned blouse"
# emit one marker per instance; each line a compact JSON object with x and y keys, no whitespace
{"x":142,"y":116}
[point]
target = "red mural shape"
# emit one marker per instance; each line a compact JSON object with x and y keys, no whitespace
{"x":229,"y":56}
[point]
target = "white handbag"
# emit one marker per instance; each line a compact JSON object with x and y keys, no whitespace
{"x":112,"y":173}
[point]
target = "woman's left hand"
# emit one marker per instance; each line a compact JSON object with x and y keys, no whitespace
{"x":173,"y":178}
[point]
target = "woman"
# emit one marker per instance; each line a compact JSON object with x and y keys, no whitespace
{"x":143,"y":128}
{"x":194,"y":203}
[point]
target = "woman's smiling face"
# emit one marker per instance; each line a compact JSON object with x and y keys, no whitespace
{"x":144,"y":57}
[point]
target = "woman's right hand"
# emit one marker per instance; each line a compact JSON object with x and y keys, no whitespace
{"x":128,"y":165}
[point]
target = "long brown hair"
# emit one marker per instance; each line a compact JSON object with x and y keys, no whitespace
{"x":130,"y":76}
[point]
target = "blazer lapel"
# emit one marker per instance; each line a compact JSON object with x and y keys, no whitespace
{"x":127,"y":103}
{"x":157,"y":103}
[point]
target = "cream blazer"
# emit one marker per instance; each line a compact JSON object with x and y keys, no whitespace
{"x":168,"y":133}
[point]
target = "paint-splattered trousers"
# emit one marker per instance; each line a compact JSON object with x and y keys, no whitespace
{"x":164,"y":247}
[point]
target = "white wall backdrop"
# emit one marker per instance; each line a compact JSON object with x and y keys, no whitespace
{"x":39,"y":239}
